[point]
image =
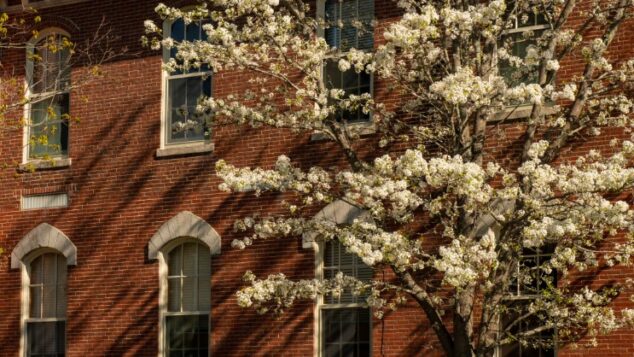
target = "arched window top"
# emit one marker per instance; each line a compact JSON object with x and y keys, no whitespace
{"x":339,"y":212}
{"x":48,"y":56}
{"x":44,"y":236}
{"x":46,"y":32}
{"x":184,"y":225}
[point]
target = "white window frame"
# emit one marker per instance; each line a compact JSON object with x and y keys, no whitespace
{"x":319,"y":248}
{"x":321,"y":14}
{"x":167,"y":148}
{"x":162,"y":257}
{"x":26,"y":134}
{"x":25,"y":268}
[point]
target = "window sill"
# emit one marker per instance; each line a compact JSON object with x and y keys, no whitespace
{"x":363,"y":128}
{"x":180,"y":150}
{"x":523,"y":111}
{"x":42,"y":164}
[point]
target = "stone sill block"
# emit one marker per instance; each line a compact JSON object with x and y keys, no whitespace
{"x":56,"y":163}
{"x":184,"y":150}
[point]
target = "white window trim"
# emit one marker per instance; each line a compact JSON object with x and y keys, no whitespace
{"x":61,"y":160}
{"x":25,"y":267}
{"x":183,"y":148}
{"x":163,"y":290}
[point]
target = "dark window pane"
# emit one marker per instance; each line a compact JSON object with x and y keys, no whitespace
{"x":46,"y":338}
{"x":187,"y":335}
{"x":341,"y":334}
{"x":185,"y":123}
{"x":193,"y":32}
{"x":178,"y":30}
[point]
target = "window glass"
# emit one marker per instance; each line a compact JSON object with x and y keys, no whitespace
{"x":345,"y":321}
{"x":346,"y":332}
{"x":184,"y":89}
{"x":49,"y":97}
{"x":189,"y":299}
{"x":46,"y":325}
{"x":349,"y":25}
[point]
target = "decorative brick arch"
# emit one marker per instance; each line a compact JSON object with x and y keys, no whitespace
{"x":339,"y":212}
{"x":44,"y":236}
{"x":184,"y":224}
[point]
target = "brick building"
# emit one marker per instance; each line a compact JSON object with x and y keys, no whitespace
{"x":121,"y":246}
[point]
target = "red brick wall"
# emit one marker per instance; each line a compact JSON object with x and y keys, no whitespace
{"x":120,"y":194}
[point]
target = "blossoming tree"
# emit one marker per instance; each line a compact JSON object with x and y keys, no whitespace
{"x":463,"y":73}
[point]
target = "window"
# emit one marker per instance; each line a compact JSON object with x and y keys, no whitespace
{"x":181,"y":123}
{"x":45,"y":325}
{"x":349,"y":25}
{"x":187,"y":289}
{"x":525,"y":31}
{"x":49,"y":98}
{"x":346,"y":322}
{"x":529,"y":280}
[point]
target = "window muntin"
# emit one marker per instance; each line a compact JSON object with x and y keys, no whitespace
{"x":346,"y":322}
{"x":49,"y":96}
{"x":183,"y":89}
{"x":186,"y":317}
{"x":349,"y":24}
{"x":46,"y":321}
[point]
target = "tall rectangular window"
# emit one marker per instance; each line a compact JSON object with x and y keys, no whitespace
{"x":188,"y":301}
{"x":529,"y":281}
{"x":346,"y":323}
{"x":46,"y":322}
{"x":349,"y":24}
{"x":49,"y":96}
{"x":183,"y":124}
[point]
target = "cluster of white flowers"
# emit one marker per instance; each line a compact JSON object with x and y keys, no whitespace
{"x":523,"y":93}
{"x":282,"y":178}
{"x":464,"y":87}
{"x":465,"y":262}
